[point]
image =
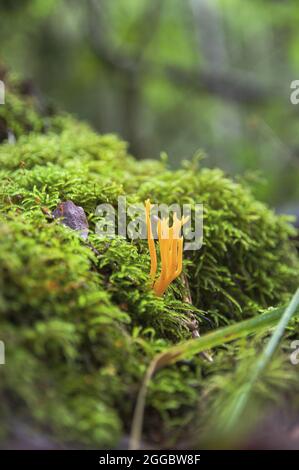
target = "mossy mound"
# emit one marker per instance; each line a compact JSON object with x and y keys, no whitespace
{"x":79,"y":319}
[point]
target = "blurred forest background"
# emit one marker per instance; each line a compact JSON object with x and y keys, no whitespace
{"x":172,"y":75}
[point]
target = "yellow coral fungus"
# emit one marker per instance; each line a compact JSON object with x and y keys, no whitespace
{"x":171,"y":250}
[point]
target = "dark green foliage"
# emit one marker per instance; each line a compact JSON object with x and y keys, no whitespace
{"x":80,"y":320}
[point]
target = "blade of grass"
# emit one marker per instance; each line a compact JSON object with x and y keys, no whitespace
{"x":190,"y":348}
{"x":261,"y":363}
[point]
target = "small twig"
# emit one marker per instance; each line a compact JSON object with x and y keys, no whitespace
{"x":193,"y":323}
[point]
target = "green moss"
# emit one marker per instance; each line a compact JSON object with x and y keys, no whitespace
{"x":79,"y":327}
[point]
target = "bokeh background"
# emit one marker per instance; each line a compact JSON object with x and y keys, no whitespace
{"x":185,"y":77}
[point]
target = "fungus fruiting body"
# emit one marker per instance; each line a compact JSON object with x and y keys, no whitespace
{"x":171,"y":250}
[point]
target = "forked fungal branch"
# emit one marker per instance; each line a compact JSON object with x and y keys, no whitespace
{"x":171,"y":249}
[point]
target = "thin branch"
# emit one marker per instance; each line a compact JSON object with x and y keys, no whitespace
{"x":232,"y":86}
